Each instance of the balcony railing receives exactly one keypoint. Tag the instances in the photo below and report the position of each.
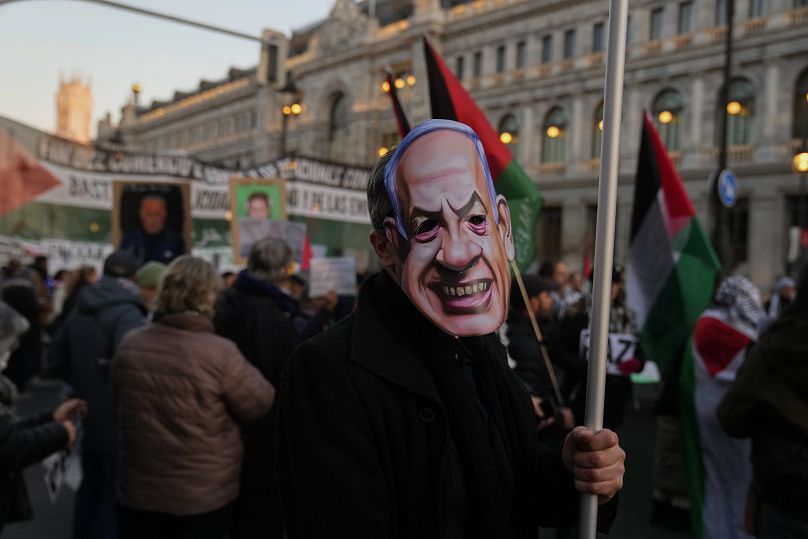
(737, 155)
(755, 26)
(717, 35)
(683, 41)
(653, 47)
(799, 16)
(543, 70)
(552, 169)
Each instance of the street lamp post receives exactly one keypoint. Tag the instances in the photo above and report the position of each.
(720, 215)
(291, 107)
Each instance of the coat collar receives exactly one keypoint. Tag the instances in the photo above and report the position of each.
(385, 331)
(188, 321)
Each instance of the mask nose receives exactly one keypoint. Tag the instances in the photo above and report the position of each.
(458, 253)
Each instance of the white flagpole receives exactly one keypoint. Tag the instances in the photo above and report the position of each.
(604, 240)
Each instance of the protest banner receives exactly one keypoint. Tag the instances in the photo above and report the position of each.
(337, 273)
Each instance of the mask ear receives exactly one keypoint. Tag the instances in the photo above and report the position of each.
(386, 246)
(504, 226)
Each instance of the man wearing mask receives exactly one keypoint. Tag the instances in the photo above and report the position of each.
(404, 420)
(80, 354)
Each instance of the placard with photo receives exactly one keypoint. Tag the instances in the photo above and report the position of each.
(152, 221)
(254, 203)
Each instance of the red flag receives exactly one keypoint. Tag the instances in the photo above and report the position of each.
(22, 178)
(398, 110)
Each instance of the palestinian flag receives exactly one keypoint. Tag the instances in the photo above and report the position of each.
(672, 266)
(671, 277)
(22, 177)
(450, 101)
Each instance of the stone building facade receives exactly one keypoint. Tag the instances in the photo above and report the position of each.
(536, 68)
(74, 109)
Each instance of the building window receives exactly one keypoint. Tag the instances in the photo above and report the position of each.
(501, 59)
(554, 137)
(721, 13)
(547, 49)
(548, 234)
(521, 53)
(741, 109)
(597, 37)
(685, 25)
(253, 119)
(597, 131)
(477, 65)
(667, 111)
(459, 67)
(657, 15)
(756, 8)
(509, 133)
(628, 30)
(569, 44)
(338, 128)
(800, 128)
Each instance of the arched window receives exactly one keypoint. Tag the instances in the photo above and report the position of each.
(597, 131)
(741, 110)
(338, 134)
(667, 111)
(800, 128)
(509, 133)
(554, 138)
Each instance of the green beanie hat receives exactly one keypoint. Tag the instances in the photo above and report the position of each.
(148, 276)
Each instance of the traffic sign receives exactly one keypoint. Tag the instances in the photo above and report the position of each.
(727, 186)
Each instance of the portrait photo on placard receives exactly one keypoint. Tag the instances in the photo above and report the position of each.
(254, 205)
(152, 221)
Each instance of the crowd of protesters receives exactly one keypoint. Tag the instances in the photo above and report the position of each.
(174, 369)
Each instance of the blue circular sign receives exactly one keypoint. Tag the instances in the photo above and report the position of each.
(727, 188)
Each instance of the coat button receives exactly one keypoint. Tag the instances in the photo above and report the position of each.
(427, 415)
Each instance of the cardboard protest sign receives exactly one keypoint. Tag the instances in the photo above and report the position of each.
(253, 203)
(152, 221)
(337, 273)
(622, 347)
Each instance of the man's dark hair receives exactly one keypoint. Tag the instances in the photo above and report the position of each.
(154, 196)
(258, 195)
(547, 268)
(379, 204)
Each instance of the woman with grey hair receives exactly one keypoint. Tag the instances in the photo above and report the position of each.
(182, 393)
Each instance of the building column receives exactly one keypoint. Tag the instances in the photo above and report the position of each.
(576, 132)
(766, 240)
(768, 115)
(526, 133)
(573, 228)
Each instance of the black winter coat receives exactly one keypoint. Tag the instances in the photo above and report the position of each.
(363, 438)
(768, 402)
(22, 444)
(83, 348)
(256, 316)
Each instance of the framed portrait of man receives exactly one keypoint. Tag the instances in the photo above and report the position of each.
(151, 220)
(254, 205)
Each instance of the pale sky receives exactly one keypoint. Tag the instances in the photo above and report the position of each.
(113, 48)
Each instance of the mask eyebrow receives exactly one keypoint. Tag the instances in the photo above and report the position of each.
(461, 212)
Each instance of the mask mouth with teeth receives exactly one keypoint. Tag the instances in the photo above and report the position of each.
(451, 230)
